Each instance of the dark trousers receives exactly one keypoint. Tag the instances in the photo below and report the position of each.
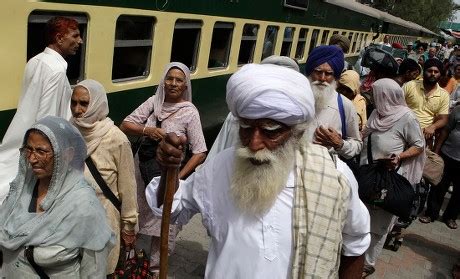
(437, 193)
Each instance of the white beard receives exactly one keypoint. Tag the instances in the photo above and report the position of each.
(254, 188)
(323, 92)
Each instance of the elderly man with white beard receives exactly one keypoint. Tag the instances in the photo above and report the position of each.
(336, 124)
(275, 206)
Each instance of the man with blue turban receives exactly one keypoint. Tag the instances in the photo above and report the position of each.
(336, 123)
(274, 205)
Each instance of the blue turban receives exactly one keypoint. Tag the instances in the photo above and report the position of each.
(331, 55)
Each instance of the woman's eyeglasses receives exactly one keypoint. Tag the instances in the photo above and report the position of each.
(39, 153)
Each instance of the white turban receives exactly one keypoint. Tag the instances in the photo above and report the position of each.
(270, 91)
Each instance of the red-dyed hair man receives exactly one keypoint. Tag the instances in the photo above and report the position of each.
(62, 35)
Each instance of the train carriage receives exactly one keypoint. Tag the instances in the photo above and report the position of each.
(128, 42)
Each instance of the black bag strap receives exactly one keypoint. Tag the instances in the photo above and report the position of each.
(29, 254)
(100, 181)
(370, 160)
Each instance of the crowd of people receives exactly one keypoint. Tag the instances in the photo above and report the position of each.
(278, 192)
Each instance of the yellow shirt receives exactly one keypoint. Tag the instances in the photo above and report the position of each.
(426, 108)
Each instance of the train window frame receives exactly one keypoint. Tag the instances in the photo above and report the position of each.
(273, 40)
(354, 43)
(286, 46)
(188, 25)
(248, 42)
(75, 63)
(313, 39)
(221, 25)
(325, 37)
(301, 44)
(350, 36)
(133, 43)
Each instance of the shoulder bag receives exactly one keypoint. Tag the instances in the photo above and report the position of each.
(434, 167)
(102, 184)
(384, 188)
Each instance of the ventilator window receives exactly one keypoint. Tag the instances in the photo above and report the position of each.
(220, 45)
(287, 41)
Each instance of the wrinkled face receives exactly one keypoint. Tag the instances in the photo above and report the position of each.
(175, 85)
(431, 75)
(69, 42)
(39, 154)
(323, 73)
(258, 134)
(431, 52)
(79, 102)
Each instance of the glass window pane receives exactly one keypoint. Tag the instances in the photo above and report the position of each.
(186, 42)
(300, 50)
(324, 37)
(220, 45)
(313, 40)
(287, 41)
(133, 47)
(269, 41)
(248, 44)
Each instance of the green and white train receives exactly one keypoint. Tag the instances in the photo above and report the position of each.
(128, 42)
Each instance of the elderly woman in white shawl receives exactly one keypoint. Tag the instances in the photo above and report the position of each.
(51, 214)
(169, 110)
(110, 151)
(396, 136)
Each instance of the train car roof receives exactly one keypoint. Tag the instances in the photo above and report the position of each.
(363, 9)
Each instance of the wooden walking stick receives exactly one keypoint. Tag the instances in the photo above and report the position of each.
(172, 180)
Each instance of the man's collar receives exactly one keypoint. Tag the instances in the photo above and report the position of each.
(57, 55)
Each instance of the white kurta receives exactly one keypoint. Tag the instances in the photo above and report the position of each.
(329, 117)
(45, 91)
(227, 137)
(249, 247)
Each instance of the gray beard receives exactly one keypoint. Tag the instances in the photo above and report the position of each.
(254, 188)
(323, 93)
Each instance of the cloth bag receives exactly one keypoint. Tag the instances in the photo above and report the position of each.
(385, 188)
(434, 167)
(131, 264)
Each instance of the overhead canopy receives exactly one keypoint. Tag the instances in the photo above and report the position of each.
(363, 9)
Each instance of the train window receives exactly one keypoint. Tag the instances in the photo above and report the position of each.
(355, 43)
(300, 50)
(350, 37)
(220, 45)
(270, 41)
(365, 40)
(133, 47)
(186, 42)
(36, 44)
(313, 40)
(324, 37)
(287, 41)
(335, 32)
(248, 44)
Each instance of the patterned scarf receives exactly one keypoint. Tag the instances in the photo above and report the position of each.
(320, 209)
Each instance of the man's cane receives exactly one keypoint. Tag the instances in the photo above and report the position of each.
(172, 180)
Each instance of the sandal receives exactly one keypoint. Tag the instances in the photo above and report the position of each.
(451, 224)
(367, 270)
(425, 219)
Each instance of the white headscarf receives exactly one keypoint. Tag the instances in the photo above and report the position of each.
(270, 91)
(94, 123)
(158, 109)
(390, 106)
(73, 217)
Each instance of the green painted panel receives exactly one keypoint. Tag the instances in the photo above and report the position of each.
(318, 13)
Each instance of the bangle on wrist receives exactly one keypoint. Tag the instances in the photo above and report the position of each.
(143, 130)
